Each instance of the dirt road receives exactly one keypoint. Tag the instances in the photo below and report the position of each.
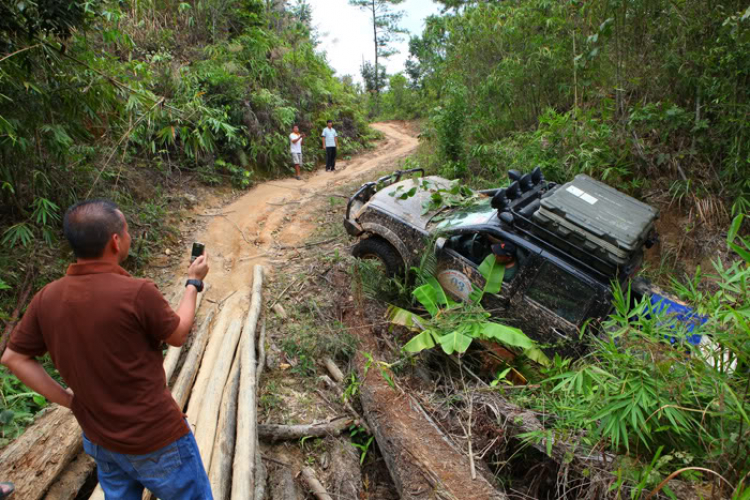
(279, 214)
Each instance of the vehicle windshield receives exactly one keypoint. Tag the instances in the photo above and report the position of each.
(478, 213)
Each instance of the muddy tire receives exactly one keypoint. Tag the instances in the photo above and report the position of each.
(382, 251)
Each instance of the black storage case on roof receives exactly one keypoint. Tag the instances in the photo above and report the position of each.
(594, 218)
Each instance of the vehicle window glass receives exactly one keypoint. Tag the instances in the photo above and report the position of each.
(473, 246)
(560, 292)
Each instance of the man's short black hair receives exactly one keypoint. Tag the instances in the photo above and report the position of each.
(88, 225)
(329, 121)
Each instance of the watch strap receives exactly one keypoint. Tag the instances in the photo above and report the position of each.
(198, 284)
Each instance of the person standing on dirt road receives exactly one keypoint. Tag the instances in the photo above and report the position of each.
(330, 142)
(295, 141)
(104, 331)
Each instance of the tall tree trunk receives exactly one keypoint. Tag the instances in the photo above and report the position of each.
(375, 38)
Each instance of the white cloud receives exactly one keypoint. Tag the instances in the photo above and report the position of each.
(346, 33)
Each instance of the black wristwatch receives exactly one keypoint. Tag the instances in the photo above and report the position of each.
(198, 284)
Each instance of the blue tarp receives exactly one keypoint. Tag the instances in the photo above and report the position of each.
(680, 312)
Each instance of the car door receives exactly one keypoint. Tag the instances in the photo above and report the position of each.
(457, 273)
(552, 305)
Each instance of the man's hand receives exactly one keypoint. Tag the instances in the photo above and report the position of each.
(199, 268)
(69, 403)
(30, 372)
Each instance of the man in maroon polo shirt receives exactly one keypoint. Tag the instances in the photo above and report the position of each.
(104, 331)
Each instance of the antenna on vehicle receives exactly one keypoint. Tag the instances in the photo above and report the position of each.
(514, 175)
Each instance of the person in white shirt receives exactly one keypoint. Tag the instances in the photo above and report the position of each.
(295, 142)
(330, 143)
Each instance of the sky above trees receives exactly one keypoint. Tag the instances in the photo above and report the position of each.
(346, 33)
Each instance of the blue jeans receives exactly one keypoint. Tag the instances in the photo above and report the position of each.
(173, 472)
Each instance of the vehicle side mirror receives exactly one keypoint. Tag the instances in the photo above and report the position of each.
(440, 244)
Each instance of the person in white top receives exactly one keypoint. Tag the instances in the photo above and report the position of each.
(295, 146)
(330, 143)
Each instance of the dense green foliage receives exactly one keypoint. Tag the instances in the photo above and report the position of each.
(102, 98)
(628, 91)
(122, 99)
(636, 392)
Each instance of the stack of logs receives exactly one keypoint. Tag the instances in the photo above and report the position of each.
(218, 383)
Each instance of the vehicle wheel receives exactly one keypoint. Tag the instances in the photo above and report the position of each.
(382, 251)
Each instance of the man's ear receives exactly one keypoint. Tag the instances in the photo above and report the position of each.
(115, 243)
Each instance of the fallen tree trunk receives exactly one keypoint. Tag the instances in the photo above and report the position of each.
(334, 370)
(173, 353)
(312, 482)
(243, 482)
(229, 311)
(69, 482)
(283, 486)
(346, 472)
(422, 462)
(205, 431)
(273, 433)
(220, 473)
(261, 476)
(184, 382)
(34, 460)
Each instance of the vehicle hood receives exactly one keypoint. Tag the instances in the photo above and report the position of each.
(398, 200)
(406, 201)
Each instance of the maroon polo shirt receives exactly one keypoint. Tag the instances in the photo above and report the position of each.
(103, 330)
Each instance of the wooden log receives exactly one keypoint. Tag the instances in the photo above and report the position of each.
(70, 481)
(261, 476)
(243, 482)
(334, 370)
(261, 355)
(181, 388)
(422, 461)
(346, 474)
(312, 482)
(273, 432)
(205, 431)
(283, 485)
(230, 311)
(36, 458)
(173, 353)
(220, 473)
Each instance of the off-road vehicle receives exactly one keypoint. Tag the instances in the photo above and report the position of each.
(572, 241)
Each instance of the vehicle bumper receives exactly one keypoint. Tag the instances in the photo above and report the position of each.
(352, 228)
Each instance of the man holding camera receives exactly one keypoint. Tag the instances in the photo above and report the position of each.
(104, 331)
(295, 145)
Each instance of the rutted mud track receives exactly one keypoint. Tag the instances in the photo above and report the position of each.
(279, 214)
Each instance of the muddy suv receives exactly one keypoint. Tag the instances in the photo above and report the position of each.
(571, 242)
